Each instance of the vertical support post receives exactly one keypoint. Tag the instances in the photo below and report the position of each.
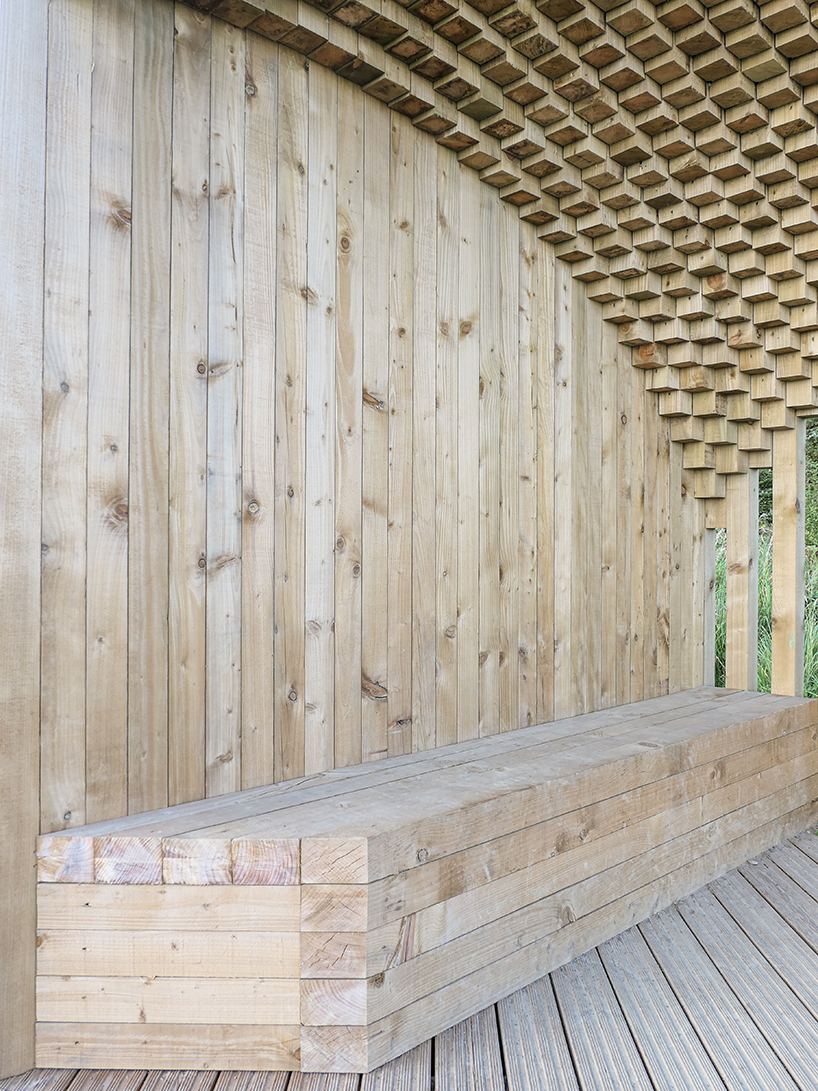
(789, 451)
(741, 659)
(708, 600)
(23, 58)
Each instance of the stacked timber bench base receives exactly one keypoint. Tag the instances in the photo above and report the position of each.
(331, 923)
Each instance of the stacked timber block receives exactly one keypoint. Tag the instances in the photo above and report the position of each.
(333, 922)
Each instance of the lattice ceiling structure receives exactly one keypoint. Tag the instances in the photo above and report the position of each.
(668, 152)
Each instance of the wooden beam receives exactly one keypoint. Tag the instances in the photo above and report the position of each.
(789, 451)
(23, 52)
(741, 662)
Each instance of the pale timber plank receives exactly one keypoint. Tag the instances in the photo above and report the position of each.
(65, 408)
(349, 366)
(185, 908)
(491, 366)
(665, 531)
(670, 1049)
(793, 959)
(589, 485)
(535, 1048)
(797, 867)
(168, 1000)
(258, 415)
(410, 1072)
(624, 526)
(600, 1039)
(23, 65)
(467, 1057)
(324, 1081)
(468, 457)
(291, 322)
(639, 555)
(106, 728)
(789, 454)
(546, 430)
(160, 953)
(187, 526)
(508, 274)
(807, 842)
(647, 574)
(399, 403)
(527, 544)
(741, 653)
(225, 329)
(609, 546)
(581, 349)
(734, 1043)
(424, 466)
(375, 440)
(785, 1022)
(563, 526)
(319, 482)
(151, 304)
(447, 309)
(171, 1046)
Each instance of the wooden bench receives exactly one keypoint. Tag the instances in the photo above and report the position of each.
(333, 922)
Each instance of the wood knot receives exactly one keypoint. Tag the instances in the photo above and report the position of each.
(465, 328)
(345, 244)
(373, 690)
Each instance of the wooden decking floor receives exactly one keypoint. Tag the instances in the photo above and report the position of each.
(720, 991)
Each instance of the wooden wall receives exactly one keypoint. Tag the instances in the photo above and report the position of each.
(336, 460)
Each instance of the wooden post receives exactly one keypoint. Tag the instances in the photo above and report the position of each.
(23, 51)
(708, 620)
(788, 559)
(741, 659)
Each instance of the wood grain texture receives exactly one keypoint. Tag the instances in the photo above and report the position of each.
(23, 55)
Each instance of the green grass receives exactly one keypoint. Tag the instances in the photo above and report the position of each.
(765, 559)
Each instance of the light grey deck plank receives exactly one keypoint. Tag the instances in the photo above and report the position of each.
(534, 1042)
(787, 897)
(780, 1016)
(324, 1081)
(599, 1037)
(161, 1080)
(673, 1054)
(109, 1080)
(411, 1072)
(737, 1048)
(794, 959)
(797, 865)
(467, 1057)
(807, 842)
(40, 1079)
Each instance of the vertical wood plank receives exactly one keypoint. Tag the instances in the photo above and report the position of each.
(741, 652)
(526, 649)
(291, 324)
(376, 426)
(319, 506)
(547, 363)
(258, 415)
(609, 546)
(399, 525)
(65, 407)
(578, 474)
(707, 598)
(150, 376)
(468, 457)
(508, 663)
(446, 453)
(564, 379)
(651, 546)
(789, 460)
(224, 399)
(624, 517)
(424, 377)
(23, 60)
(686, 641)
(187, 510)
(349, 426)
(106, 728)
(664, 531)
(591, 484)
(639, 554)
(489, 472)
